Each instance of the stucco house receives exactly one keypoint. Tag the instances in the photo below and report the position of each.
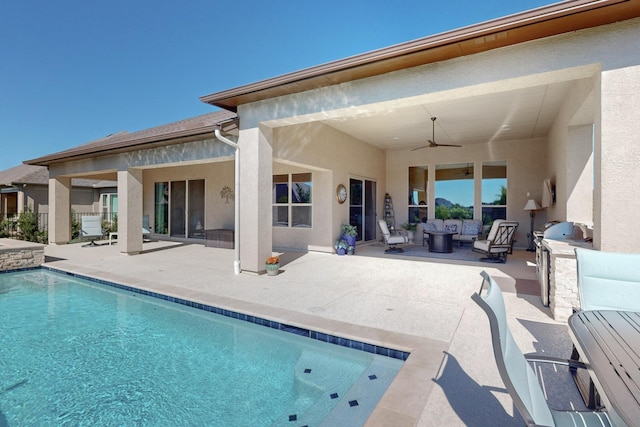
(547, 94)
(25, 187)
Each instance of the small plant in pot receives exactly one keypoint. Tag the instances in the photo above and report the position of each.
(410, 228)
(272, 265)
(349, 233)
(341, 246)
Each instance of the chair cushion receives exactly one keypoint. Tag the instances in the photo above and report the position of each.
(430, 226)
(394, 240)
(452, 228)
(471, 228)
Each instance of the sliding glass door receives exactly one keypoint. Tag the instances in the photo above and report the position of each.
(179, 208)
(362, 208)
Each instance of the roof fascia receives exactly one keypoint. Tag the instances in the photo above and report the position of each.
(530, 25)
(124, 146)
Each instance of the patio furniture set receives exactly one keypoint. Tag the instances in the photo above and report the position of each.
(439, 235)
(605, 331)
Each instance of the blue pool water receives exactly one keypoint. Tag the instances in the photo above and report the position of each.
(76, 353)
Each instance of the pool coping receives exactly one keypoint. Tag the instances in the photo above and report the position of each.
(257, 320)
(405, 399)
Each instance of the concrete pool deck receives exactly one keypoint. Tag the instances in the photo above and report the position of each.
(420, 305)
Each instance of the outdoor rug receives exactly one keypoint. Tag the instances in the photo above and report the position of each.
(459, 253)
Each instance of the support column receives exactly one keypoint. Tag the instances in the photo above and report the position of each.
(130, 211)
(59, 210)
(255, 200)
(617, 154)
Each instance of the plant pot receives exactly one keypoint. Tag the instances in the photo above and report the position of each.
(272, 269)
(341, 251)
(351, 240)
(410, 236)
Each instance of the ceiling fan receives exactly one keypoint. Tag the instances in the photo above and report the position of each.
(432, 142)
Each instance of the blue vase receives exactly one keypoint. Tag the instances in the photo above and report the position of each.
(351, 240)
(341, 251)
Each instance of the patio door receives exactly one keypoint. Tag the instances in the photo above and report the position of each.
(179, 208)
(362, 208)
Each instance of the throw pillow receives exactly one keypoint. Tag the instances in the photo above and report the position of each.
(451, 228)
(430, 226)
(470, 228)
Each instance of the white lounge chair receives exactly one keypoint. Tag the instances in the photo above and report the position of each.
(91, 229)
(391, 241)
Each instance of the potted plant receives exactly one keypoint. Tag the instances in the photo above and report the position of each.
(272, 265)
(341, 246)
(349, 233)
(410, 228)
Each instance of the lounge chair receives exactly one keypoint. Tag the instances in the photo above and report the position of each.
(499, 242)
(392, 242)
(517, 374)
(91, 229)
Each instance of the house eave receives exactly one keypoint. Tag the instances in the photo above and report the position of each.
(126, 146)
(555, 19)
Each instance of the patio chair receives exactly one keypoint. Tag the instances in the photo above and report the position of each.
(91, 229)
(608, 280)
(518, 375)
(499, 242)
(146, 230)
(392, 242)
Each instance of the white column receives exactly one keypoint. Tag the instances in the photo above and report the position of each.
(255, 200)
(59, 210)
(130, 211)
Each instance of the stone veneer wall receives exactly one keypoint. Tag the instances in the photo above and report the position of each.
(16, 254)
(563, 283)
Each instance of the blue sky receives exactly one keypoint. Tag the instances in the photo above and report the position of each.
(72, 71)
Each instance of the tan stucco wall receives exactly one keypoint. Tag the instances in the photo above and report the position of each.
(333, 157)
(218, 213)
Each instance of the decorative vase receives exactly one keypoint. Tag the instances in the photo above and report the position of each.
(410, 236)
(351, 240)
(341, 251)
(272, 269)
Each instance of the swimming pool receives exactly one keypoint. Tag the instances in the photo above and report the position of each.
(74, 352)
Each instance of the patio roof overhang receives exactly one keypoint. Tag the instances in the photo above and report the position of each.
(558, 18)
(193, 129)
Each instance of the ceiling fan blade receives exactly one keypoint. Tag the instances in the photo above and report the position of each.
(446, 145)
(419, 148)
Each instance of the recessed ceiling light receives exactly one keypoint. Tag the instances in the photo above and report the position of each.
(395, 138)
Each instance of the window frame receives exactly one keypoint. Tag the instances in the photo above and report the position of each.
(292, 201)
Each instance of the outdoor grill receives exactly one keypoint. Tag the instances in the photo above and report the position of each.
(554, 230)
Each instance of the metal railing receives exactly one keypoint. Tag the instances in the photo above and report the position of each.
(35, 226)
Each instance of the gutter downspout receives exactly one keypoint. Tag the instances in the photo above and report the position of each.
(236, 234)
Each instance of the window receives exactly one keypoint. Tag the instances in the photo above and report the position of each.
(418, 180)
(292, 200)
(109, 208)
(494, 191)
(454, 191)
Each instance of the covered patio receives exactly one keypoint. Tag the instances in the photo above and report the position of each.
(414, 304)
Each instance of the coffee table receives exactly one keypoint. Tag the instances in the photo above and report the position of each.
(441, 241)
